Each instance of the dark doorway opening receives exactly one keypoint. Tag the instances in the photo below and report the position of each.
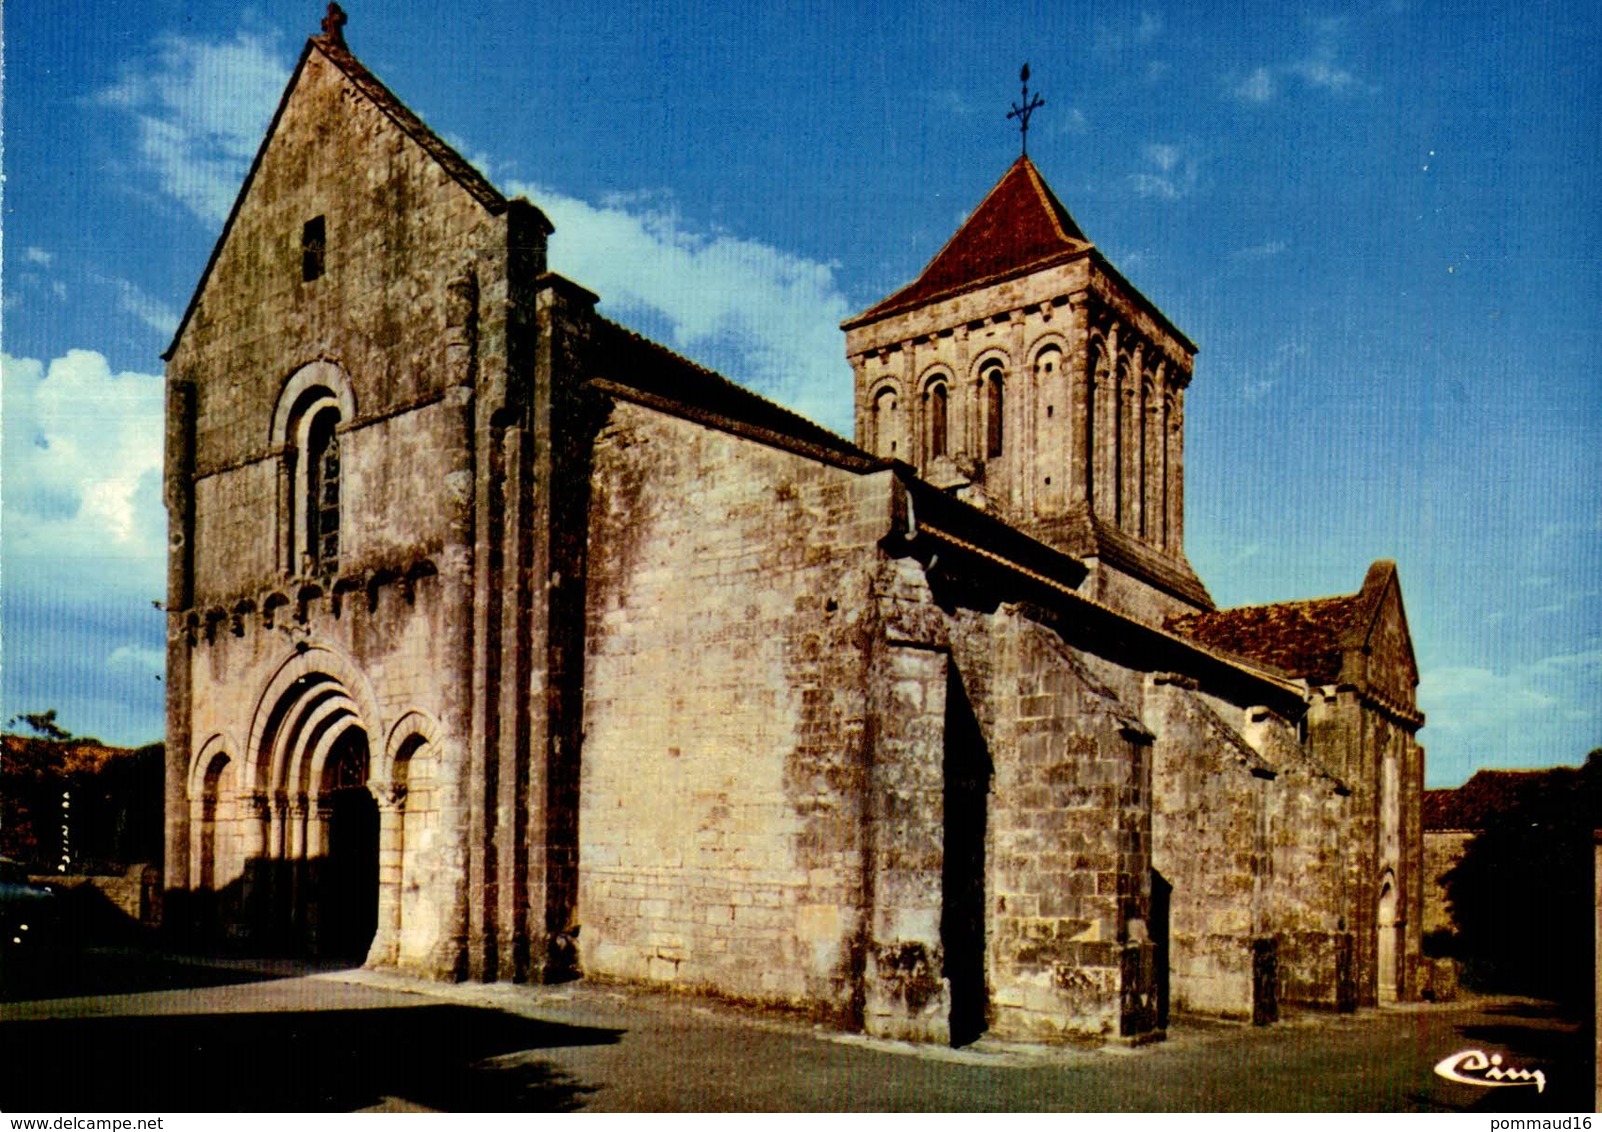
(349, 890)
(1161, 900)
(350, 887)
(967, 768)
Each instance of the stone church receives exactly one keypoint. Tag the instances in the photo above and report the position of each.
(505, 644)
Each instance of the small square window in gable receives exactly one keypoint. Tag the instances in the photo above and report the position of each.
(313, 248)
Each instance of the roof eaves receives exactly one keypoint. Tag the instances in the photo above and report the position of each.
(724, 404)
(239, 199)
(736, 426)
(1151, 308)
(908, 298)
(465, 175)
(460, 169)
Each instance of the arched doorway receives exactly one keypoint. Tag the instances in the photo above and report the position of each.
(1386, 958)
(348, 893)
(311, 843)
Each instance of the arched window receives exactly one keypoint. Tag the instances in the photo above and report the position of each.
(322, 490)
(1121, 447)
(315, 407)
(886, 428)
(936, 413)
(211, 791)
(1093, 442)
(312, 479)
(990, 381)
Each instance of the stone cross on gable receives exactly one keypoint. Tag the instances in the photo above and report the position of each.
(334, 24)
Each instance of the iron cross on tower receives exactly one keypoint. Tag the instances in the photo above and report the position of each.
(1029, 107)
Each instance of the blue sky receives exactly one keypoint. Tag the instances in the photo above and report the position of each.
(1381, 222)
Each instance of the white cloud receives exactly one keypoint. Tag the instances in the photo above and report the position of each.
(1473, 699)
(37, 255)
(1176, 172)
(200, 109)
(147, 308)
(1253, 387)
(1165, 157)
(1320, 68)
(1529, 715)
(762, 316)
(1266, 250)
(82, 467)
(1254, 390)
(137, 658)
(1256, 87)
(1115, 38)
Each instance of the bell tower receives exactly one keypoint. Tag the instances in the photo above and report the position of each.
(1023, 372)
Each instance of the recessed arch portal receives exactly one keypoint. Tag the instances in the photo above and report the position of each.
(304, 807)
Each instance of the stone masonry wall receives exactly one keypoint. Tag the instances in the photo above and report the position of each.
(907, 981)
(725, 707)
(1442, 851)
(398, 228)
(1305, 882)
(1069, 843)
(1208, 835)
(381, 651)
(394, 613)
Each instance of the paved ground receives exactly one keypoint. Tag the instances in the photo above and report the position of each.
(131, 1031)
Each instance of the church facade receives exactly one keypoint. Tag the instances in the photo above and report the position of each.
(505, 644)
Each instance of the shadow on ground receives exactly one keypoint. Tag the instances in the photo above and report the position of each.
(1538, 1035)
(80, 972)
(450, 1058)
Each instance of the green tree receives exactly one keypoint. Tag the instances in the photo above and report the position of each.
(1522, 895)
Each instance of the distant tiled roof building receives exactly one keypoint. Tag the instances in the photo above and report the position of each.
(1489, 794)
(1452, 817)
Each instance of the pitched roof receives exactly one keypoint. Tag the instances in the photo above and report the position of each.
(1306, 639)
(476, 184)
(1302, 638)
(1019, 227)
(636, 368)
(333, 48)
(1491, 793)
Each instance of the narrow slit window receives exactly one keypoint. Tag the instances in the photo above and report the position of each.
(322, 495)
(994, 395)
(313, 248)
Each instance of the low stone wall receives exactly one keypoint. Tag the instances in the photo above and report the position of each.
(1442, 850)
(101, 905)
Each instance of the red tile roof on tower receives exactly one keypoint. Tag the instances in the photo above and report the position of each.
(1019, 227)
